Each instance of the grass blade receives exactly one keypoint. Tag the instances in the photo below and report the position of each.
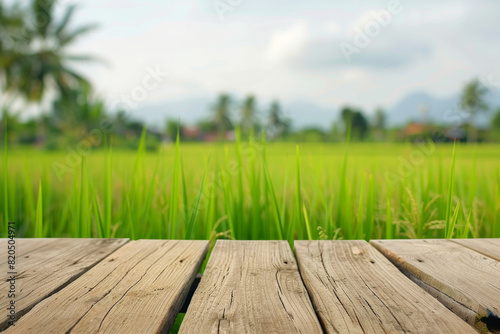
(39, 214)
(308, 225)
(194, 211)
(448, 226)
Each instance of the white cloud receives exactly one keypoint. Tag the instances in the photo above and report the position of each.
(298, 48)
(284, 44)
(289, 50)
(332, 28)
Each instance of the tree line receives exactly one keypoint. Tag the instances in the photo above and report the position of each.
(226, 114)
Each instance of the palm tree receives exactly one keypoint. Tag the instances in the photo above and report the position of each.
(495, 122)
(248, 117)
(275, 115)
(474, 103)
(11, 23)
(380, 122)
(221, 114)
(78, 109)
(38, 58)
(356, 120)
(278, 125)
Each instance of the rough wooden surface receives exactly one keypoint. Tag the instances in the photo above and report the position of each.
(26, 245)
(488, 247)
(44, 266)
(461, 278)
(96, 285)
(251, 287)
(137, 289)
(355, 289)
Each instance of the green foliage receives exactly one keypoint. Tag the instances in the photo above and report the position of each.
(35, 60)
(222, 114)
(356, 120)
(278, 124)
(380, 124)
(473, 97)
(496, 122)
(172, 128)
(34, 50)
(310, 134)
(473, 101)
(249, 122)
(451, 220)
(39, 232)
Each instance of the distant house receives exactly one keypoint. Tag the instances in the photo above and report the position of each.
(417, 131)
(214, 136)
(413, 132)
(413, 129)
(457, 134)
(191, 133)
(210, 136)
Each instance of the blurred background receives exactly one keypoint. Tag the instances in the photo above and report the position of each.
(250, 119)
(207, 119)
(396, 70)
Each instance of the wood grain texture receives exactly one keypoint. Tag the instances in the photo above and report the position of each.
(137, 289)
(44, 266)
(462, 279)
(355, 289)
(488, 247)
(26, 245)
(251, 287)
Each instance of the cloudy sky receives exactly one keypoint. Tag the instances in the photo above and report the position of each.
(366, 53)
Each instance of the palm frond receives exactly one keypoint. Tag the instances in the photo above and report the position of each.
(65, 20)
(69, 38)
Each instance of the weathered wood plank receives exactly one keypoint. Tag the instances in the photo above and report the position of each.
(488, 247)
(137, 289)
(26, 245)
(355, 289)
(465, 281)
(44, 266)
(251, 287)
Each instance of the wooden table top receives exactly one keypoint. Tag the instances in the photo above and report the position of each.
(327, 286)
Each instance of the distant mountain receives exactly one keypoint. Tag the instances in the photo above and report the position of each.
(411, 108)
(189, 111)
(308, 114)
(439, 110)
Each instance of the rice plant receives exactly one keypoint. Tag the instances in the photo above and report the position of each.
(254, 190)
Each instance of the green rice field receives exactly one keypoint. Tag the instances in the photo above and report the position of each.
(254, 190)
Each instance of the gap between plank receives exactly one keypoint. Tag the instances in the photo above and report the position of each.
(21, 313)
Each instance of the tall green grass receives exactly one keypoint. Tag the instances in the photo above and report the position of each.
(255, 190)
